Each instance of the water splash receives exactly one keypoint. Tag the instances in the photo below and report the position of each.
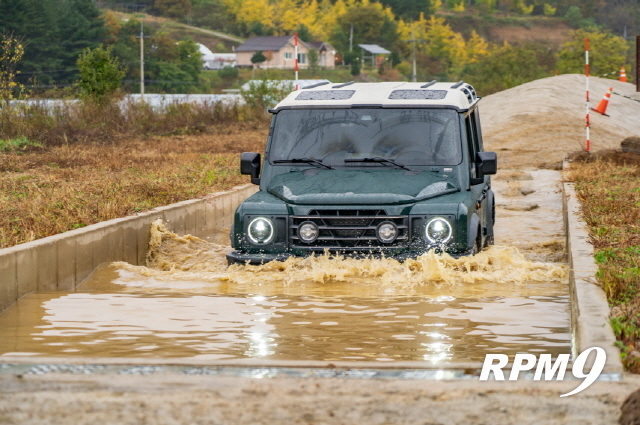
(191, 258)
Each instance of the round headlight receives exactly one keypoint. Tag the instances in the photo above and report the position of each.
(387, 232)
(438, 230)
(260, 231)
(308, 232)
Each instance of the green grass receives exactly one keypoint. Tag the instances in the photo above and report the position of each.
(608, 190)
(18, 144)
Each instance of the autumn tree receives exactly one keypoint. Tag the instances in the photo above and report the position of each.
(11, 52)
(607, 52)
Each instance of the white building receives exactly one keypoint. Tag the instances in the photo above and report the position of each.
(212, 60)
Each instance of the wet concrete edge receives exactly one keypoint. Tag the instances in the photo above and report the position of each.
(61, 262)
(589, 307)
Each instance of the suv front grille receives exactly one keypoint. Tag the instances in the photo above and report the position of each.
(348, 230)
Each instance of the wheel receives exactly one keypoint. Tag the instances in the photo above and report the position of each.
(477, 246)
(489, 241)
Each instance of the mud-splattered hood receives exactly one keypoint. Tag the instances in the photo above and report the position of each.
(372, 187)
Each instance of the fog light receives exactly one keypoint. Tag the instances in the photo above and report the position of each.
(308, 232)
(387, 232)
(260, 230)
(438, 230)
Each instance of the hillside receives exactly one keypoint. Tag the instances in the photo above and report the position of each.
(553, 30)
(542, 121)
(216, 41)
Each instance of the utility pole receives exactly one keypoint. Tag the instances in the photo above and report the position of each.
(351, 39)
(638, 63)
(142, 37)
(414, 76)
(141, 61)
(414, 73)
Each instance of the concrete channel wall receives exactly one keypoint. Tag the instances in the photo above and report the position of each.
(61, 262)
(589, 307)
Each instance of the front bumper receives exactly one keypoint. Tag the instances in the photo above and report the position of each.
(238, 257)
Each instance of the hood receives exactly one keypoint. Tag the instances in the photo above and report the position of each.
(364, 187)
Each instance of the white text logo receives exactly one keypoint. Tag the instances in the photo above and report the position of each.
(545, 366)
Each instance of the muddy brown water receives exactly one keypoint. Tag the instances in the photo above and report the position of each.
(187, 304)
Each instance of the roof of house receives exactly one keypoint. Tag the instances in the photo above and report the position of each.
(265, 43)
(319, 45)
(375, 49)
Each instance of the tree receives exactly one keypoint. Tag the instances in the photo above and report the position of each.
(607, 52)
(372, 24)
(11, 52)
(508, 66)
(313, 58)
(409, 9)
(173, 8)
(258, 58)
(54, 33)
(100, 74)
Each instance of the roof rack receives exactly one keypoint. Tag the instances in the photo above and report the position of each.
(458, 84)
(339, 86)
(316, 85)
(429, 84)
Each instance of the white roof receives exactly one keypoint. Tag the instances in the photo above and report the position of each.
(283, 83)
(460, 96)
(206, 53)
(375, 49)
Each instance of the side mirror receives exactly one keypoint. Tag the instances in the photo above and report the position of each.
(250, 164)
(486, 163)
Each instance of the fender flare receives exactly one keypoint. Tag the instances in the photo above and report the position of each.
(472, 231)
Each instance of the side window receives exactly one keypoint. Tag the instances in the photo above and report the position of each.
(475, 116)
(472, 140)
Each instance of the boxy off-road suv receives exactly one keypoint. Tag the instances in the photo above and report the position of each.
(393, 169)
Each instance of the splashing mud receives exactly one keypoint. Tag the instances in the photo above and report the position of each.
(189, 258)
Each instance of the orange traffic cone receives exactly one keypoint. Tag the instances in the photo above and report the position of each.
(623, 75)
(602, 106)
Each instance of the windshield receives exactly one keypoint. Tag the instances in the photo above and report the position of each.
(406, 136)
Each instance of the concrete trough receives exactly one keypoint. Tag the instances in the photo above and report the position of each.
(73, 255)
(61, 262)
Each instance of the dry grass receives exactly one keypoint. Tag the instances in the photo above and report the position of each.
(71, 122)
(49, 190)
(608, 184)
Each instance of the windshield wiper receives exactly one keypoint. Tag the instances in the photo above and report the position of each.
(379, 160)
(303, 161)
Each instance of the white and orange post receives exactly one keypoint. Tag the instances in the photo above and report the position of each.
(586, 69)
(623, 75)
(295, 60)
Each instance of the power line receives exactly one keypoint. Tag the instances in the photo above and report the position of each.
(64, 70)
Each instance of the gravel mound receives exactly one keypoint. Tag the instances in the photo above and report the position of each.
(539, 123)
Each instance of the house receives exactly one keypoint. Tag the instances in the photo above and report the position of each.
(326, 54)
(280, 51)
(212, 60)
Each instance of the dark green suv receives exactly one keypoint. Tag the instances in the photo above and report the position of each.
(361, 169)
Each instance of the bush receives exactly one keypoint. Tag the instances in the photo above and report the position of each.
(264, 94)
(100, 74)
(228, 73)
(355, 69)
